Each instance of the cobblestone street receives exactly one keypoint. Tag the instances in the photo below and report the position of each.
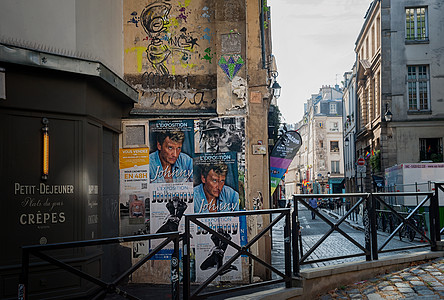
(419, 281)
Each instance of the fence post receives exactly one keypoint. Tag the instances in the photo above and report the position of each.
(366, 223)
(295, 235)
(186, 260)
(287, 249)
(373, 228)
(23, 284)
(435, 234)
(175, 270)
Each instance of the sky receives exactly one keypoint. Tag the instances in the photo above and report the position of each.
(313, 43)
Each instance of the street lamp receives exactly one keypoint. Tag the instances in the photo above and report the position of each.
(388, 114)
(276, 89)
(346, 141)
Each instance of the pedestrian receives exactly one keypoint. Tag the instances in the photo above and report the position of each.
(313, 202)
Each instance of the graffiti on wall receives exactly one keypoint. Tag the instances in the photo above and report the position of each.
(169, 44)
(231, 64)
(169, 40)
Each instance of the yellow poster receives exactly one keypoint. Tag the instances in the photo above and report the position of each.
(133, 157)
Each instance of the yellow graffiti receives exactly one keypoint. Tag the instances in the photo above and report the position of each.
(173, 22)
(187, 2)
(139, 53)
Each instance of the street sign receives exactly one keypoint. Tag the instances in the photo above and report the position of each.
(361, 169)
(328, 186)
(362, 175)
(361, 161)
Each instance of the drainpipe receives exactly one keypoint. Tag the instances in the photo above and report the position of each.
(261, 17)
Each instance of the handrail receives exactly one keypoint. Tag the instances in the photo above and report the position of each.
(105, 287)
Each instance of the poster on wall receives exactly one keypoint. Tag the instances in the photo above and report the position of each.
(170, 176)
(134, 178)
(216, 190)
(223, 135)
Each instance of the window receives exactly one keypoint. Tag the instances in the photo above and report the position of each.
(321, 144)
(333, 108)
(416, 24)
(335, 166)
(418, 87)
(430, 149)
(334, 146)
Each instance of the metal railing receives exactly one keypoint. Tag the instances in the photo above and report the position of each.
(365, 249)
(403, 220)
(104, 287)
(241, 250)
(368, 201)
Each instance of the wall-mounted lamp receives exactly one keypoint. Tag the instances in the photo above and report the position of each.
(272, 69)
(346, 141)
(45, 130)
(276, 89)
(388, 114)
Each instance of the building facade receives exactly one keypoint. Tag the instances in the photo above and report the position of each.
(119, 76)
(319, 164)
(399, 67)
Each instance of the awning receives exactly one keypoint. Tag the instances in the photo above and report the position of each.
(336, 180)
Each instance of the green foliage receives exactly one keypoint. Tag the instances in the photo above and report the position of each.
(375, 161)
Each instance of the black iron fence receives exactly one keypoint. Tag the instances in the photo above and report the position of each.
(103, 287)
(286, 276)
(372, 208)
(405, 224)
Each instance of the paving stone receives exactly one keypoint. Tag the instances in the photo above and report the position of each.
(436, 284)
(410, 296)
(421, 289)
(387, 288)
(369, 290)
(410, 278)
(374, 296)
(425, 292)
(438, 288)
(326, 297)
(402, 285)
(417, 282)
(406, 290)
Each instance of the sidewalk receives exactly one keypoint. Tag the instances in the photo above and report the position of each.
(424, 280)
